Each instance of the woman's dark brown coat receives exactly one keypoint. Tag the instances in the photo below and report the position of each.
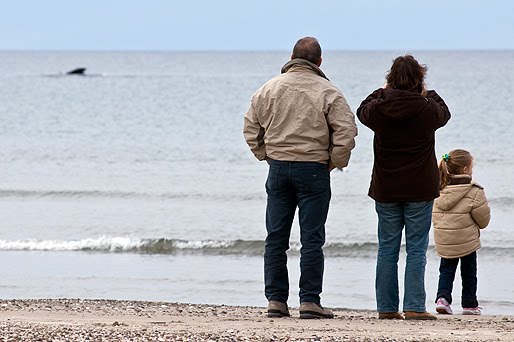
(404, 122)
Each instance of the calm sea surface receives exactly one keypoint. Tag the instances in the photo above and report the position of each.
(134, 182)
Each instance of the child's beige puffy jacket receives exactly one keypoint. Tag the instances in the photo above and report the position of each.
(458, 215)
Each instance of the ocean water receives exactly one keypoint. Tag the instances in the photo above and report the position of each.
(135, 182)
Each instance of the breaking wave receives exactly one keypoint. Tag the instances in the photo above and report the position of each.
(105, 244)
(173, 246)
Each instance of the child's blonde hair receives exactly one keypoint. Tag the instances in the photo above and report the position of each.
(453, 163)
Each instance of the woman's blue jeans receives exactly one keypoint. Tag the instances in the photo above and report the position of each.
(305, 185)
(416, 217)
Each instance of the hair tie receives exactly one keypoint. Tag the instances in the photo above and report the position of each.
(446, 157)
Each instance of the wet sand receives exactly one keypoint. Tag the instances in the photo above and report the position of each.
(109, 320)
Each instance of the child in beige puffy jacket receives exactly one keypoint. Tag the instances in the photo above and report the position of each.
(458, 215)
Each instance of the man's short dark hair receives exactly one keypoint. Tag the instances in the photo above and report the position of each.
(307, 48)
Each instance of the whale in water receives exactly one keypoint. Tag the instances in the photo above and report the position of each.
(77, 71)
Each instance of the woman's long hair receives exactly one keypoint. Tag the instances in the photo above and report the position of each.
(407, 74)
(453, 163)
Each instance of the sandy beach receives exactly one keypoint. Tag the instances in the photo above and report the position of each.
(109, 320)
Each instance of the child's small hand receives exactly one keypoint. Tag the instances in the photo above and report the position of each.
(331, 166)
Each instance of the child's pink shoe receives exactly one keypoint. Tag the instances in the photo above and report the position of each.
(443, 307)
(472, 311)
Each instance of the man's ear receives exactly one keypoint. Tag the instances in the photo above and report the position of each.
(319, 63)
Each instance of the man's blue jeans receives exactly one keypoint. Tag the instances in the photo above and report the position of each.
(305, 185)
(416, 217)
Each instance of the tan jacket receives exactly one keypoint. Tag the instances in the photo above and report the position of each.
(458, 215)
(300, 116)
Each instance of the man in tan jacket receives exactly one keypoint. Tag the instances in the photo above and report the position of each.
(302, 125)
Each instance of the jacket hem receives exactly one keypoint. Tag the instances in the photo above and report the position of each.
(403, 200)
(458, 255)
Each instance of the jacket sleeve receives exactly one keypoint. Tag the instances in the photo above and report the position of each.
(439, 107)
(367, 107)
(254, 133)
(480, 211)
(343, 130)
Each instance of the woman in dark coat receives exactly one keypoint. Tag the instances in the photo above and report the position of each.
(405, 181)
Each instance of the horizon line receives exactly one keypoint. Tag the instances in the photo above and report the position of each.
(262, 50)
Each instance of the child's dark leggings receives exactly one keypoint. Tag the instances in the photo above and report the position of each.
(468, 272)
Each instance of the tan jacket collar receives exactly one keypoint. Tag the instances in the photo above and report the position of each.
(300, 62)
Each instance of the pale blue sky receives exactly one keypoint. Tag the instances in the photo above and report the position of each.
(255, 25)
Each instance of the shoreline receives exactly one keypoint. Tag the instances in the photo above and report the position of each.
(109, 320)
